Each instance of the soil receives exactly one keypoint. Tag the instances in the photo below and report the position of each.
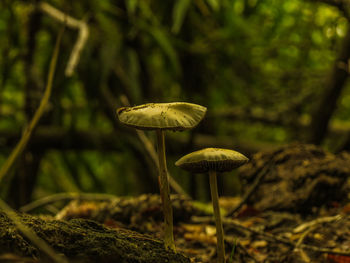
(298, 211)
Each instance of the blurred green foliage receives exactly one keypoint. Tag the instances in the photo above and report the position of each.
(261, 55)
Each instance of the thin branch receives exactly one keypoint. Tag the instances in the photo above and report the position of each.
(17, 151)
(317, 221)
(252, 189)
(59, 138)
(153, 154)
(65, 197)
(275, 118)
(74, 24)
(302, 237)
(275, 238)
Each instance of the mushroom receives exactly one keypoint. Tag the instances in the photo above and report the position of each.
(176, 116)
(213, 160)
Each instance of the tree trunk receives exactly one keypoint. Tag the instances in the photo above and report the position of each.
(22, 184)
(334, 87)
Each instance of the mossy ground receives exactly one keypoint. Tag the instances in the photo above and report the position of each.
(85, 241)
(313, 221)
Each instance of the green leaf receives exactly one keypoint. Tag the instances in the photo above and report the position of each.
(131, 6)
(214, 4)
(233, 251)
(133, 70)
(165, 44)
(179, 12)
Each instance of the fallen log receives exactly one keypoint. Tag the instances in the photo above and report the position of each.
(83, 240)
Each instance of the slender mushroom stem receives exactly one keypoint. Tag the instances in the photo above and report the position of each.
(218, 223)
(164, 193)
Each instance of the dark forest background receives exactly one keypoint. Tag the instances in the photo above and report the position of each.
(270, 72)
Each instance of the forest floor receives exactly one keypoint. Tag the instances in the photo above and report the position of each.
(296, 209)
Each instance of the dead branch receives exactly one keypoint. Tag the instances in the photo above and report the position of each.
(275, 118)
(317, 221)
(65, 197)
(252, 189)
(153, 154)
(275, 238)
(55, 137)
(71, 23)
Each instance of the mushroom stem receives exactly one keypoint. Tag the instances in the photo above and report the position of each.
(164, 193)
(219, 230)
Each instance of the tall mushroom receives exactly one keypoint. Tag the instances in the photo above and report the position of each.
(213, 160)
(176, 116)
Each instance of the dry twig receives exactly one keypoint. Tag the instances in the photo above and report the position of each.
(252, 189)
(312, 223)
(153, 154)
(17, 151)
(258, 179)
(272, 237)
(64, 197)
(71, 23)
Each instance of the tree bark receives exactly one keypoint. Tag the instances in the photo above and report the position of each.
(334, 86)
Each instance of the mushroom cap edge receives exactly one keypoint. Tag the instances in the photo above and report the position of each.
(176, 116)
(215, 159)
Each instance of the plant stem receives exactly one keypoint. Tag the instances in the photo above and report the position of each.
(27, 133)
(164, 193)
(219, 230)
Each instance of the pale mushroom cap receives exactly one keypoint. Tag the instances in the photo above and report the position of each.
(214, 159)
(171, 116)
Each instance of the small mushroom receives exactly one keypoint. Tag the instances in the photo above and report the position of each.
(176, 116)
(213, 160)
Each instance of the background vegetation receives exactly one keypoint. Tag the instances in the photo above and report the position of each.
(270, 72)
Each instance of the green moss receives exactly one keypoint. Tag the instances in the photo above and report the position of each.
(85, 240)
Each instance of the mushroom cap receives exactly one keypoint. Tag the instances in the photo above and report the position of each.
(175, 116)
(211, 159)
